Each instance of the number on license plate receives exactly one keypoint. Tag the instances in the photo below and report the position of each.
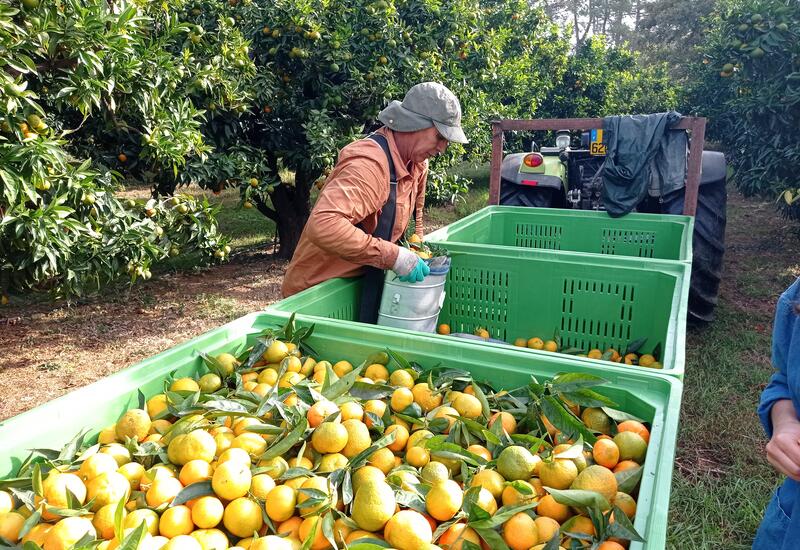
(596, 145)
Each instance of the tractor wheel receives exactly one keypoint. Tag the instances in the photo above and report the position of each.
(709, 247)
(517, 195)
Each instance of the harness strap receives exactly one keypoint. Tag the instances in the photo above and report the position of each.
(372, 281)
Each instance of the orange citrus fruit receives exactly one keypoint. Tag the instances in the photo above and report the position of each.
(646, 360)
(606, 453)
(558, 473)
(634, 426)
(632, 446)
(520, 532)
(536, 343)
(550, 345)
(623, 465)
(456, 534)
(596, 420)
(599, 479)
(506, 419)
(548, 507)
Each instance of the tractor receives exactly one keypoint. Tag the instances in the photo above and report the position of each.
(568, 174)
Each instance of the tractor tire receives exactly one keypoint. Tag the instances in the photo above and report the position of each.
(517, 195)
(708, 243)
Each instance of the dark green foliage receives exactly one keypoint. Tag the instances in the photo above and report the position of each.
(748, 84)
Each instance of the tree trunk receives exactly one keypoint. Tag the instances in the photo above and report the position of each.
(290, 211)
(576, 26)
(290, 226)
(617, 34)
(589, 24)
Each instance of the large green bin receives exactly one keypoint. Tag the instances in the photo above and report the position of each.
(589, 301)
(658, 236)
(653, 398)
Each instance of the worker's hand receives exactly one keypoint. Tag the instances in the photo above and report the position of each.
(420, 271)
(783, 450)
(409, 266)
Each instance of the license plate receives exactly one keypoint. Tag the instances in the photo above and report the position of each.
(596, 146)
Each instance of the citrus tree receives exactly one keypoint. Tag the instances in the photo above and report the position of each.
(324, 69)
(94, 92)
(253, 94)
(601, 80)
(748, 83)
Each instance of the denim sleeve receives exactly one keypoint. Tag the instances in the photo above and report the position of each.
(785, 341)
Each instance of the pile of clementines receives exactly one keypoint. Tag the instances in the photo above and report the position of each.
(277, 450)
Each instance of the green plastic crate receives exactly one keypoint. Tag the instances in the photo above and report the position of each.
(659, 236)
(593, 302)
(653, 398)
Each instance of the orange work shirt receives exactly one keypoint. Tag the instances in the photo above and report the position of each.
(333, 243)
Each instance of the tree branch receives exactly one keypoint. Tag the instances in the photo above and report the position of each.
(577, 26)
(265, 210)
(589, 23)
(272, 161)
(120, 125)
(638, 15)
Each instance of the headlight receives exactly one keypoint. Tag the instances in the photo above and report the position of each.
(562, 140)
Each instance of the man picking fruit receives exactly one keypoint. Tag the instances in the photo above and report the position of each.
(367, 200)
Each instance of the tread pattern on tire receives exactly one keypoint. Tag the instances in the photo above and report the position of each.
(708, 243)
(514, 195)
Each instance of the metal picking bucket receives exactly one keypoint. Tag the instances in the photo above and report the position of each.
(414, 306)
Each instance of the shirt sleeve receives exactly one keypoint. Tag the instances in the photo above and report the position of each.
(355, 192)
(785, 335)
(419, 227)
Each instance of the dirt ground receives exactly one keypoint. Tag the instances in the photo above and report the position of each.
(49, 349)
(762, 257)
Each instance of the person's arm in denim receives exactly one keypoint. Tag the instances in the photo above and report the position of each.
(776, 409)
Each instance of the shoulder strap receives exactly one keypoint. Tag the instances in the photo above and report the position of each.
(372, 281)
(384, 144)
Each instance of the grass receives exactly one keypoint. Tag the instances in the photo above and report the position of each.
(475, 199)
(247, 228)
(214, 306)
